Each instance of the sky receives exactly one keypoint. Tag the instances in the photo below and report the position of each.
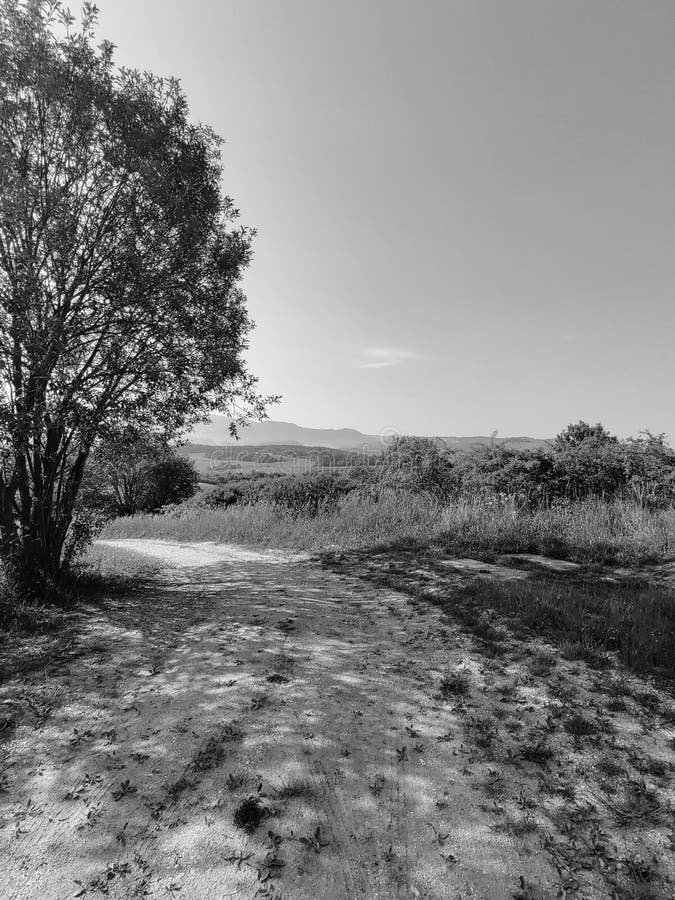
(465, 208)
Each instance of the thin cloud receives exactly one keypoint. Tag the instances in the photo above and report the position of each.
(384, 357)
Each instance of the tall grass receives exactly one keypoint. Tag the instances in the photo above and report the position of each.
(354, 523)
(594, 530)
(618, 531)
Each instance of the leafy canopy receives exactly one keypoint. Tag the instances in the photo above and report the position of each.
(120, 266)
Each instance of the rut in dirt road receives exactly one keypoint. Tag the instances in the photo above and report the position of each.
(260, 678)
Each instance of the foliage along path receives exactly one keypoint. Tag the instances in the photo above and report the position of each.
(253, 724)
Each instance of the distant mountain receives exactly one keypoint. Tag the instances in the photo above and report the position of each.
(216, 434)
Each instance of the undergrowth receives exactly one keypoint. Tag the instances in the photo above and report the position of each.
(593, 531)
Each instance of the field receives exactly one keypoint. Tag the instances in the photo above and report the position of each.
(217, 462)
(330, 685)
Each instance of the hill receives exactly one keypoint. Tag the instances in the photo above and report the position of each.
(216, 434)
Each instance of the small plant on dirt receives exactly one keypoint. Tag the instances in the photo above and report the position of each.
(507, 691)
(616, 704)
(94, 814)
(526, 801)
(249, 814)
(517, 827)
(101, 882)
(184, 783)
(609, 768)
(648, 700)
(454, 684)
(494, 783)
(389, 856)
(234, 782)
(639, 870)
(239, 859)
(482, 731)
(83, 787)
(376, 785)
(315, 842)
(125, 789)
(440, 837)
(213, 751)
(401, 754)
(537, 751)
(140, 758)
(650, 765)
(78, 737)
(640, 804)
(529, 891)
(579, 725)
(543, 663)
(295, 787)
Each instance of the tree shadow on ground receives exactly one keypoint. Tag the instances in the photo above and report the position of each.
(390, 753)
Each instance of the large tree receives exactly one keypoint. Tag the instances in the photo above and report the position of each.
(120, 264)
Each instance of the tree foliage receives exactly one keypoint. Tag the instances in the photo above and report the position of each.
(120, 264)
(131, 474)
(583, 461)
(577, 434)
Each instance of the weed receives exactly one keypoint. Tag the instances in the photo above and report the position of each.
(454, 684)
(494, 783)
(529, 891)
(83, 787)
(610, 769)
(376, 785)
(440, 837)
(543, 663)
(517, 827)
(315, 842)
(649, 700)
(213, 750)
(249, 814)
(616, 704)
(234, 782)
(538, 752)
(126, 789)
(295, 787)
(579, 725)
(640, 804)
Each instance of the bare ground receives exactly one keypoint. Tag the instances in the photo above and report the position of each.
(255, 724)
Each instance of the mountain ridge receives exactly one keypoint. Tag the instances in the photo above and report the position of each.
(216, 433)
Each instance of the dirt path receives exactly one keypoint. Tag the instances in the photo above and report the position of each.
(262, 677)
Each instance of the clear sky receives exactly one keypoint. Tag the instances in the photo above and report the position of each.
(465, 209)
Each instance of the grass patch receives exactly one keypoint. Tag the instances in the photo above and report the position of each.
(591, 531)
(454, 684)
(590, 620)
(249, 814)
(116, 568)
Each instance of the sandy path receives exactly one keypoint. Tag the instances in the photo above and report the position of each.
(245, 674)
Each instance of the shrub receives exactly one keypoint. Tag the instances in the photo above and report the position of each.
(131, 474)
(415, 464)
(308, 494)
(170, 479)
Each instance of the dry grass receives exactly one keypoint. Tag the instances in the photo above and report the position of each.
(591, 531)
(356, 523)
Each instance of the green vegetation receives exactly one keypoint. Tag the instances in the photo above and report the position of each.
(592, 531)
(588, 498)
(120, 268)
(131, 474)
